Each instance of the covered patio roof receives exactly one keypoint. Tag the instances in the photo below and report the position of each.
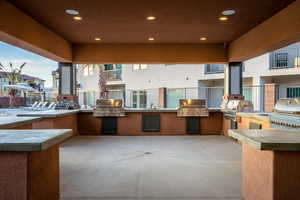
(43, 27)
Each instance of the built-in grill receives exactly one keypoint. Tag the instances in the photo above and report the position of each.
(232, 104)
(286, 114)
(109, 108)
(66, 105)
(192, 108)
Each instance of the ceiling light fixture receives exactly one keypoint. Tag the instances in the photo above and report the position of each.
(72, 12)
(224, 18)
(77, 18)
(97, 39)
(151, 39)
(151, 18)
(228, 12)
(203, 38)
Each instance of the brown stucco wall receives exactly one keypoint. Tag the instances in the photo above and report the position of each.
(20, 30)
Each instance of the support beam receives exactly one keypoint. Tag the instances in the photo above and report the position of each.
(280, 30)
(149, 53)
(67, 79)
(18, 29)
(233, 80)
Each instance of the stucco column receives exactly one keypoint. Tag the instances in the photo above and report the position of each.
(258, 93)
(271, 95)
(162, 97)
(233, 78)
(67, 81)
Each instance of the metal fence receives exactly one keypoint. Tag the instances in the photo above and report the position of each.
(285, 58)
(150, 98)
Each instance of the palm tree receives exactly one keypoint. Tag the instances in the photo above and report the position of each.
(14, 76)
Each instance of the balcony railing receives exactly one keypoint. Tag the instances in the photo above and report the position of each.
(113, 75)
(285, 58)
(214, 68)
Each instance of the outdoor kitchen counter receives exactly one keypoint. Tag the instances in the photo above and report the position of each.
(9, 122)
(48, 113)
(29, 166)
(270, 163)
(254, 120)
(254, 115)
(130, 110)
(54, 119)
(132, 123)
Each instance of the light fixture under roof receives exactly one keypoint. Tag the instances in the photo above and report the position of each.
(151, 18)
(77, 18)
(223, 18)
(97, 39)
(151, 39)
(72, 12)
(203, 38)
(228, 12)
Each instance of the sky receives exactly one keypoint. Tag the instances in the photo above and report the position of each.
(36, 65)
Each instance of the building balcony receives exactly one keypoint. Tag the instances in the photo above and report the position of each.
(113, 75)
(285, 58)
(214, 68)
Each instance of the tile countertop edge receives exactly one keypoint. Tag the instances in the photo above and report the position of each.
(63, 134)
(56, 140)
(243, 138)
(20, 122)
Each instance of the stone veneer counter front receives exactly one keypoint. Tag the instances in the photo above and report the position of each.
(270, 163)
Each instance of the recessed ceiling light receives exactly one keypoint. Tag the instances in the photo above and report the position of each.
(97, 39)
(224, 18)
(72, 12)
(203, 38)
(150, 18)
(77, 18)
(228, 12)
(151, 39)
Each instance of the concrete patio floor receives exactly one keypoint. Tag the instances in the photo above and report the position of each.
(150, 168)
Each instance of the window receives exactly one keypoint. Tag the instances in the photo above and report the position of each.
(140, 66)
(108, 67)
(293, 92)
(139, 99)
(281, 60)
(88, 70)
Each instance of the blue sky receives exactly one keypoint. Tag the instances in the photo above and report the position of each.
(36, 65)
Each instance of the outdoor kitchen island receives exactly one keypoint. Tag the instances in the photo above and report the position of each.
(270, 163)
(163, 121)
(29, 167)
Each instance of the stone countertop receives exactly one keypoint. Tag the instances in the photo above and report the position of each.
(272, 140)
(48, 113)
(32, 140)
(253, 115)
(129, 110)
(12, 121)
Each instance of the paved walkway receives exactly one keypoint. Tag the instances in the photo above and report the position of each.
(150, 168)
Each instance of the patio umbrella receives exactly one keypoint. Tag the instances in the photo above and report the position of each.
(22, 87)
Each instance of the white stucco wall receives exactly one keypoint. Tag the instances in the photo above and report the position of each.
(160, 75)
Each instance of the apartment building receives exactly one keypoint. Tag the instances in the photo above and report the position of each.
(140, 85)
(266, 78)
(146, 85)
